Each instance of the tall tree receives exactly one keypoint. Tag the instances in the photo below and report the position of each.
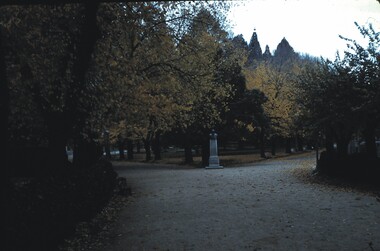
(328, 95)
(204, 56)
(58, 93)
(342, 97)
(364, 68)
(278, 87)
(4, 116)
(156, 59)
(240, 50)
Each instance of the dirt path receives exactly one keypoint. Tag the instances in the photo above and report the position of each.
(258, 207)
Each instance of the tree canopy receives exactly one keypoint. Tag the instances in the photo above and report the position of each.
(342, 97)
(147, 70)
(138, 68)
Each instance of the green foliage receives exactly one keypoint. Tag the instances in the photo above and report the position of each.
(341, 98)
(35, 38)
(54, 96)
(364, 68)
(328, 97)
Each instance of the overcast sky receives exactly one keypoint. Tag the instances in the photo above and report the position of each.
(310, 26)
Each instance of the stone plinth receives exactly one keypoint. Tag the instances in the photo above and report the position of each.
(213, 161)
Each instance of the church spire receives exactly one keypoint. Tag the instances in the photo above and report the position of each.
(284, 52)
(267, 55)
(254, 49)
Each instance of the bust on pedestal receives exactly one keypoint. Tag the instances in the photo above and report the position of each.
(213, 161)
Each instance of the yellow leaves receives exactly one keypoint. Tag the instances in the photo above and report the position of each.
(116, 130)
(113, 63)
(156, 99)
(279, 89)
(250, 127)
(169, 83)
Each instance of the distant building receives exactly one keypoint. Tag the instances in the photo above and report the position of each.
(254, 49)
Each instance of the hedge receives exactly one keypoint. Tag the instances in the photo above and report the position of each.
(41, 212)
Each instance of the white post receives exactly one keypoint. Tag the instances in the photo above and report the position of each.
(213, 161)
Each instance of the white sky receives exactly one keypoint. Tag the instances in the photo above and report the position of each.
(310, 26)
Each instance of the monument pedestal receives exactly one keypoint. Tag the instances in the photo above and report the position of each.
(213, 161)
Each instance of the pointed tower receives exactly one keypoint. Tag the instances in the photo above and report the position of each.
(267, 55)
(284, 52)
(254, 49)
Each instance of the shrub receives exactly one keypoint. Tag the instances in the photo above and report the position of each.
(360, 167)
(41, 212)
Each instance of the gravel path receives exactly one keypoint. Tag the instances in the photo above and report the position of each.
(257, 207)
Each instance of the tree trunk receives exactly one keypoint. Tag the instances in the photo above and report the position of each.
(86, 153)
(121, 144)
(299, 143)
(4, 104)
(148, 154)
(273, 148)
(83, 50)
(90, 34)
(299, 146)
(57, 139)
(57, 152)
(262, 143)
(6, 194)
(240, 144)
(157, 147)
(138, 146)
(188, 147)
(329, 141)
(188, 154)
(343, 136)
(4, 118)
(288, 145)
(205, 152)
(370, 139)
(107, 147)
(342, 147)
(130, 149)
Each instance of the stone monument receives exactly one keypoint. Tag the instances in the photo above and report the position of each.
(213, 161)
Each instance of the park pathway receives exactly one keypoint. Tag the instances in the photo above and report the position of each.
(257, 207)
